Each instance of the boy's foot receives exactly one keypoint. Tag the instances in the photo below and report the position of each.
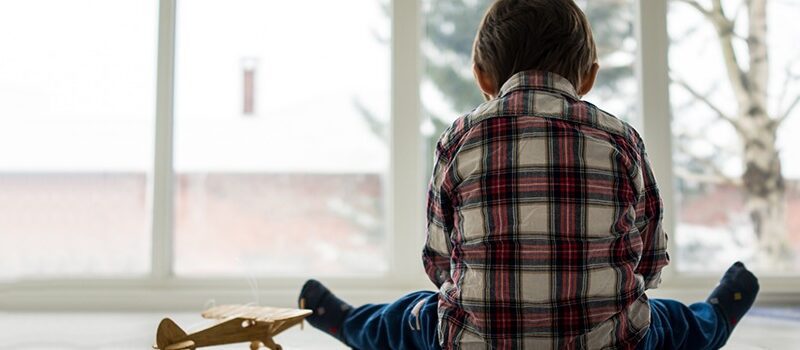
(329, 311)
(735, 293)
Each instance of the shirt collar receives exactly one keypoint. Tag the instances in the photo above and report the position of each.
(538, 80)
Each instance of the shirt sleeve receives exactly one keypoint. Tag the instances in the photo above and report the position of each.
(649, 221)
(436, 254)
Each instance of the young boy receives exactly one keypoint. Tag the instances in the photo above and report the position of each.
(544, 218)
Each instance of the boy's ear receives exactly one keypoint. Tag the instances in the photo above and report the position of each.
(587, 80)
(485, 82)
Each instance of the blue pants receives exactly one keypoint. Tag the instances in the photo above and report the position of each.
(411, 323)
(408, 323)
(674, 325)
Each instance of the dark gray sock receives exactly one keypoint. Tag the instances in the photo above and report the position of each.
(329, 311)
(735, 293)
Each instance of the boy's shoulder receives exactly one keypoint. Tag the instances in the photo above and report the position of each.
(543, 104)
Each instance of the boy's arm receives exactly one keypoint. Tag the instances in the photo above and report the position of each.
(436, 254)
(649, 220)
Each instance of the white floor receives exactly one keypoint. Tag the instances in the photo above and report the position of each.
(27, 331)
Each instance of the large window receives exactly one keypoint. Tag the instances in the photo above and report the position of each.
(736, 83)
(77, 97)
(277, 168)
(191, 146)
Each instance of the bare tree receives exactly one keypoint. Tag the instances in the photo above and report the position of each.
(748, 75)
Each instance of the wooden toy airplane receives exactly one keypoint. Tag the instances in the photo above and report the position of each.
(239, 323)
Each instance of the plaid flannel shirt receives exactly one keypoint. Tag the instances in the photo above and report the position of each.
(544, 224)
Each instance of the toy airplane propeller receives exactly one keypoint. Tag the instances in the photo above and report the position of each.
(239, 323)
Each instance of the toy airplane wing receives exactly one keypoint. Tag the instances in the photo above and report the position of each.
(281, 318)
(257, 313)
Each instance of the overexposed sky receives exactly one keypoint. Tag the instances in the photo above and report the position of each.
(77, 85)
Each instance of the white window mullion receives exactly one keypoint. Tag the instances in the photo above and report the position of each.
(406, 181)
(162, 220)
(653, 79)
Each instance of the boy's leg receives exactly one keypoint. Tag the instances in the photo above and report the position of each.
(705, 325)
(408, 323)
(674, 325)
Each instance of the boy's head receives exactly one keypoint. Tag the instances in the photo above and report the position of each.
(545, 35)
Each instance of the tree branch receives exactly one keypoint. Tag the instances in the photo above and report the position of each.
(704, 99)
(788, 110)
(743, 4)
(739, 36)
(787, 82)
(725, 33)
(697, 6)
(711, 173)
(686, 174)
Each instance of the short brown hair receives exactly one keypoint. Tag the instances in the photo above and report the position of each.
(545, 35)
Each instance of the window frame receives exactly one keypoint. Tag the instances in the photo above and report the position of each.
(162, 290)
(652, 74)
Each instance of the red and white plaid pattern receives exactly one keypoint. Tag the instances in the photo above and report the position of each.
(544, 224)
